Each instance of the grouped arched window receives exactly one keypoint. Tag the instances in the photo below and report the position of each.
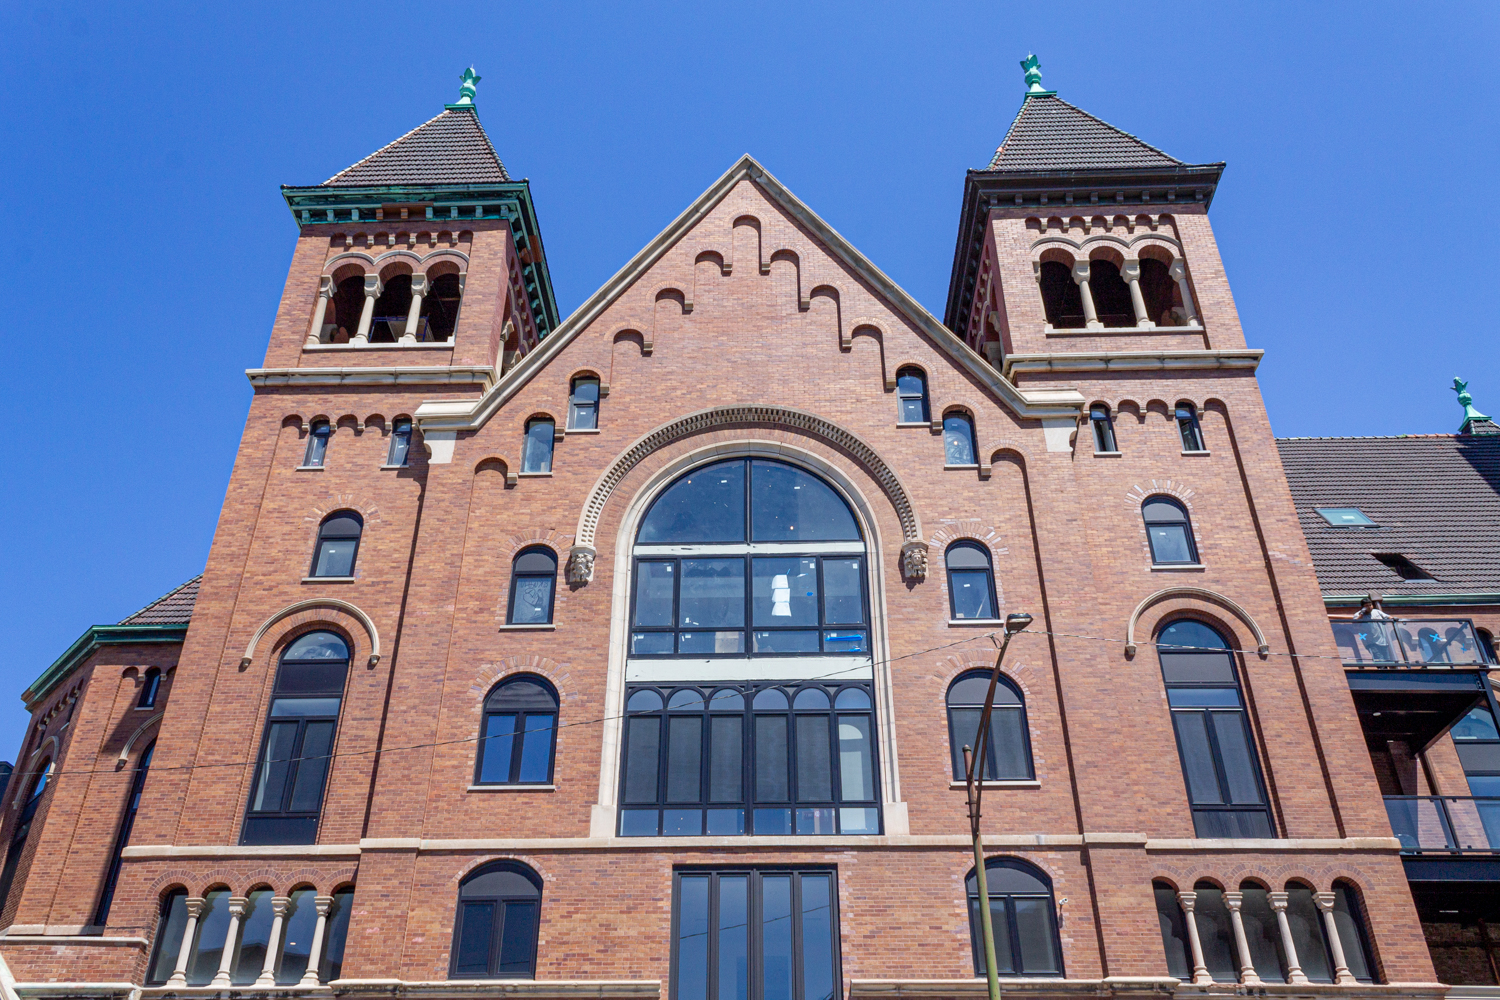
(122, 836)
(583, 404)
(440, 307)
(292, 768)
(958, 439)
(1023, 917)
(533, 581)
(1007, 755)
(1104, 429)
(499, 914)
(317, 444)
(1214, 741)
(971, 582)
(1111, 294)
(150, 687)
(1169, 532)
(338, 544)
(22, 832)
(1160, 293)
(911, 392)
(519, 735)
(1188, 427)
(536, 454)
(1061, 297)
(391, 307)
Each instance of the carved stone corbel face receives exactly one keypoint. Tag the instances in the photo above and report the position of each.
(914, 561)
(580, 568)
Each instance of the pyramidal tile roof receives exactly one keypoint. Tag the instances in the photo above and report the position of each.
(451, 148)
(1051, 134)
(173, 608)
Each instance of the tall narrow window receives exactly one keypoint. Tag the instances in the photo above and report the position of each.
(122, 836)
(170, 925)
(520, 730)
(1023, 917)
(338, 544)
(1174, 934)
(440, 308)
(1188, 427)
(532, 581)
(1215, 933)
(1213, 733)
(1061, 297)
(537, 456)
(22, 832)
(911, 390)
(1104, 430)
(971, 583)
(583, 405)
(499, 913)
(149, 688)
(332, 965)
(400, 443)
(1007, 754)
(317, 445)
(958, 440)
(286, 795)
(1111, 294)
(1169, 531)
(1349, 917)
(753, 934)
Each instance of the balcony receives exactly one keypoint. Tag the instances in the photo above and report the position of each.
(1409, 643)
(1445, 824)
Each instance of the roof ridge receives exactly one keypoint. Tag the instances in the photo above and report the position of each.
(488, 143)
(1382, 437)
(393, 142)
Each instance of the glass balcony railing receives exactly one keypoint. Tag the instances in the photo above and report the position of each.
(1445, 824)
(1409, 642)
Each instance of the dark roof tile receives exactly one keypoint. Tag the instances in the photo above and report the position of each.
(1051, 134)
(449, 149)
(174, 608)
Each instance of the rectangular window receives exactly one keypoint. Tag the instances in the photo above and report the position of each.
(755, 934)
(293, 770)
(538, 448)
(400, 443)
(317, 446)
(583, 405)
(1104, 430)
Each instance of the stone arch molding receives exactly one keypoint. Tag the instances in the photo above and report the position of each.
(580, 568)
(1261, 646)
(316, 602)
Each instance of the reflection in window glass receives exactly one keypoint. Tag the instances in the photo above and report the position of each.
(520, 726)
(958, 440)
(537, 454)
(400, 443)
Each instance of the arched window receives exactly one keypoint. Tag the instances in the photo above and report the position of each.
(520, 732)
(338, 544)
(1215, 933)
(1104, 430)
(317, 445)
(971, 583)
(1188, 428)
(346, 307)
(958, 440)
(911, 390)
(389, 321)
(583, 404)
(122, 836)
(1169, 531)
(533, 578)
(1213, 733)
(1349, 918)
(1174, 934)
(1486, 644)
(499, 912)
(1023, 917)
(1061, 297)
(149, 688)
(1111, 294)
(440, 308)
(286, 795)
(536, 456)
(400, 443)
(1160, 293)
(23, 832)
(1008, 747)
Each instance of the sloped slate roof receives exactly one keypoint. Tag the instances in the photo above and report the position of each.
(1435, 498)
(174, 608)
(449, 149)
(1051, 134)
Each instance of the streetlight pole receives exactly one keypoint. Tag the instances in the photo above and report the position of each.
(975, 786)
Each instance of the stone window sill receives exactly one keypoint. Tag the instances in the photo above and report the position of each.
(915, 423)
(975, 622)
(960, 467)
(1109, 454)
(1203, 452)
(328, 579)
(443, 345)
(395, 466)
(1015, 783)
(310, 468)
(539, 627)
(582, 430)
(512, 788)
(1183, 568)
(534, 475)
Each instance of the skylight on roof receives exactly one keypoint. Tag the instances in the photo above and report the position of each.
(1345, 517)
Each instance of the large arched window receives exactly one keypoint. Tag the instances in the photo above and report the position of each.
(520, 731)
(1023, 917)
(911, 390)
(338, 544)
(1008, 748)
(533, 578)
(286, 795)
(1214, 742)
(971, 583)
(1169, 531)
(499, 912)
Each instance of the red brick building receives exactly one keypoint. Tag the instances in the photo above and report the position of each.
(633, 655)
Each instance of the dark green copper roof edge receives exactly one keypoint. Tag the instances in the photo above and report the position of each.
(1476, 599)
(91, 641)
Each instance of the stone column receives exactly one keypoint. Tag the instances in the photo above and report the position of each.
(1081, 279)
(1189, 901)
(1131, 272)
(195, 905)
(414, 315)
(279, 907)
(325, 292)
(1178, 271)
(237, 906)
(1234, 900)
(1341, 973)
(373, 288)
(315, 953)
(1294, 973)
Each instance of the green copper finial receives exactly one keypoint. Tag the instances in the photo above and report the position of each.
(1033, 67)
(466, 91)
(1467, 402)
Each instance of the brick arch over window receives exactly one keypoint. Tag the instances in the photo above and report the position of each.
(584, 548)
(1198, 593)
(316, 602)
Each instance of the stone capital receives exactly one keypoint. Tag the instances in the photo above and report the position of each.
(1234, 900)
(1189, 900)
(1325, 901)
(373, 286)
(326, 287)
(1131, 270)
(281, 905)
(237, 905)
(1178, 270)
(1080, 271)
(196, 905)
(419, 284)
(323, 904)
(1278, 901)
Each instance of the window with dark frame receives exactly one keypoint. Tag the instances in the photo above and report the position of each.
(1189, 428)
(22, 831)
(499, 915)
(1008, 749)
(400, 443)
(755, 934)
(149, 689)
(338, 544)
(533, 582)
(971, 582)
(1169, 531)
(122, 837)
(1214, 741)
(1104, 430)
(583, 404)
(519, 735)
(286, 794)
(317, 445)
(1023, 916)
(958, 440)
(536, 456)
(911, 393)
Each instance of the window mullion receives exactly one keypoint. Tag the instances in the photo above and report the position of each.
(797, 971)
(294, 762)
(517, 741)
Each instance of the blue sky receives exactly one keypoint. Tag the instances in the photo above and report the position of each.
(144, 144)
